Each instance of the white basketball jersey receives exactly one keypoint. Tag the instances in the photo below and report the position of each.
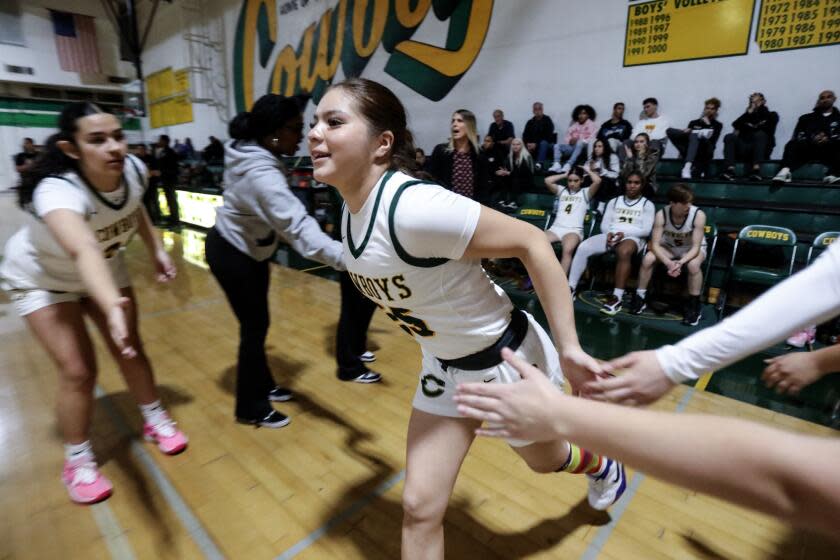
(571, 209)
(679, 238)
(629, 212)
(33, 259)
(451, 307)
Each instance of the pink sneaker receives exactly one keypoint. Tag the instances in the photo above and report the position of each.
(84, 482)
(169, 439)
(803, 337)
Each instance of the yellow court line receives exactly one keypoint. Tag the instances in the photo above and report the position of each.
(703, 381)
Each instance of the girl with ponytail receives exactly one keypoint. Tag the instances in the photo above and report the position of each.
(84, 194)
(415, 249)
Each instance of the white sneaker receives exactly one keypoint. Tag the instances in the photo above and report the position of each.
(566, 168)
(606, 489)
(831, 179)
(368, 357)
(686, 171)
(783, 176)
(555, 167)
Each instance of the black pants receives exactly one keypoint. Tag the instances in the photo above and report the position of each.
(749, 149)
(245, 283)
(799, 152)
(351, 335)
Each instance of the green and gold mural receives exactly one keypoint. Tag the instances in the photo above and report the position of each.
(347, 34)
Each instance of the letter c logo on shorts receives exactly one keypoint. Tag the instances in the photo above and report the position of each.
(432, 386)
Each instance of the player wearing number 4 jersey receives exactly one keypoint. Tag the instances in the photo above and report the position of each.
(414, 248)
(571, 206)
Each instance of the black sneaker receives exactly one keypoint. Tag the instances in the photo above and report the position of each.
(612, 306)
(279, 394)
(366, 377)
(692, 315)
(755, 177)
(273, 419)
(728, 175)
(637, 304)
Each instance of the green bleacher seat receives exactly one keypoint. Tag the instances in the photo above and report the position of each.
(669, 167)
(810, 172)
(763, 235)
(536, 201)
(820, 244)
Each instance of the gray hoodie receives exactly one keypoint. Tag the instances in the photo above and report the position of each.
(258, 205)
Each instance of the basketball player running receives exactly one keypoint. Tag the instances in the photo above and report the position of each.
(84, 194)
(414, 248)
(676, 247)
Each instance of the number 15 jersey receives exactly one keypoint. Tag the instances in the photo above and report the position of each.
(404, 250)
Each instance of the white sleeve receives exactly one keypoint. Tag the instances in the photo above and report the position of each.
(807, 298)
(609, 215)
(638, 129)
(432, 222)
(53, 193)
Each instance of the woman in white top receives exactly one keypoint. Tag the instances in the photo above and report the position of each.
(606, 164)
(571, 206)
(84, 196)
(415, 249)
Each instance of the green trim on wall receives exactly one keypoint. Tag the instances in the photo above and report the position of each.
(47, 120)
(30, 104)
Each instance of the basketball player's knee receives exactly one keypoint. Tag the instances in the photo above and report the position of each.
(694, 266)
(422, 507)
(625, 252)
(77, 375)
(649, 260)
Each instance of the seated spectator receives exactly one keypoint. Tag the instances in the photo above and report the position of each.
(653, 124)
(214, 153)
(697, 141)
(642, 158)
(455, 164)
(517, 174)
(491, 162)
(581, 131)
(421, 159)
(616, 130)
(604, 163)
(815, 138)
(678, 242)
(752, 140)
(24, 159)
(570, 209)
(539, 134)
(627, 222)
(502, 133)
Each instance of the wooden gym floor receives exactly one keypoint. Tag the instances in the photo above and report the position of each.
(327, 486)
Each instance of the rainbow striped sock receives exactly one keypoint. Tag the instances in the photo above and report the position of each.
(581, 461)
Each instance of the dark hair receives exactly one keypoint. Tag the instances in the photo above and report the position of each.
(588, 108)
(270, 112)
(53, 161)
(420, 150)
(577, 170)
(680, 193)
(650, 100)
(714, 101)
(645, 134)
(28, 139)
(636, 173)
(382, 111)
(606, 155)
(617, 103)
(164, 138)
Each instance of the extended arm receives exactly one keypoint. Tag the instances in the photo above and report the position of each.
(697, 235)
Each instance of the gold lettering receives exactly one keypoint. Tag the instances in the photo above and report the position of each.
(377, 26)
(253, 10)
(408, 18)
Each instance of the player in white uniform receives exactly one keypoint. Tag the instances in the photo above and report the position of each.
(415, 249)
(627, 222)
(570, 209)
(85, 199)
(676, 247)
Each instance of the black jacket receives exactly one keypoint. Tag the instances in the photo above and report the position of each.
(760, 119)
(700, 124)
(538, 130)
(440, 168)
(620, 130)
(811, 124)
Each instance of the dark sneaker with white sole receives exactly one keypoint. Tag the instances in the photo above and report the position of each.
(637, 304)
(280, 394)
(612, 305)
(368, 357)
(273, 419)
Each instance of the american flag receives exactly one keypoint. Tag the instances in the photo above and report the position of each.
(75, 40)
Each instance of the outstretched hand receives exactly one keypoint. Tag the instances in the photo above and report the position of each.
(642, 381)
(791, 372)
(164, 267)
(515, 410)
(580, 369)
(118, 327)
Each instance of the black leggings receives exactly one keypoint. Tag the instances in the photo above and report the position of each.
(351, 335)
(245, 283)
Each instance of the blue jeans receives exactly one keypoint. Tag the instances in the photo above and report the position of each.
(573, 152)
